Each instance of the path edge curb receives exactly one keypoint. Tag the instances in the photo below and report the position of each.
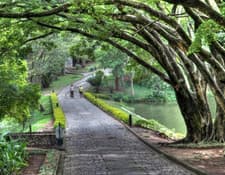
(168, 156)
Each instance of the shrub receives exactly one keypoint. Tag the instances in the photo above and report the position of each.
(150, 124)
(59, 117)
(12, 156)
(118, 113)
(103, 96)
(97, 80)
(159, 90)
(58, 113)
(125, 98)
(156, 126)
(54, 100)
(117, 97)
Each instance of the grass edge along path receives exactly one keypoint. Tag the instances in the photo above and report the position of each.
(124, 116)
(62, 82)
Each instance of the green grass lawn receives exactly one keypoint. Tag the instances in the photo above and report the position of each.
(61, 82)
(38, 119)
(139, 91)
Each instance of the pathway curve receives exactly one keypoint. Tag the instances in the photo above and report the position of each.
(98, 144)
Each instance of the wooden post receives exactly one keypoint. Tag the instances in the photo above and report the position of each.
(130, 120)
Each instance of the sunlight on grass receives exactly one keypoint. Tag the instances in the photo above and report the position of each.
(63, 81)
(38, 120)
(40, 124)
(139, 91)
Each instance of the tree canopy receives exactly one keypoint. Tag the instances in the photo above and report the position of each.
(183, 37)
(17, 96)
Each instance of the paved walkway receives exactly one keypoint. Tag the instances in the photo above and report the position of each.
(98, 144)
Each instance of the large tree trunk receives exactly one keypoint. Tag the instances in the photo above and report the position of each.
(83, 62)
(45, 81)
(74, 61)
(117, 86)
(219, 124)
(196, 115)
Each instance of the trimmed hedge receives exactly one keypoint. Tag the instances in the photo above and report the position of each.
(103, 96)
(118, 113)
(138, 121)
(58, 113)
(54, 100)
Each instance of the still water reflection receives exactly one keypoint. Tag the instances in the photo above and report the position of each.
(167, 114)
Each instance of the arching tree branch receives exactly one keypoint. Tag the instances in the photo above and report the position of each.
(203, 7)
(163, 76)
(38, 37)
(35, 14)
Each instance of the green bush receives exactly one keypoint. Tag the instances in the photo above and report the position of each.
(117, 97)
(58, 113)
(156, 126)
(125, 98)
(103, 96)
(97, 80)
(150, 124)
(157, 96)
(54, 100)
(12, 156)
(59, 117)
(159, 90)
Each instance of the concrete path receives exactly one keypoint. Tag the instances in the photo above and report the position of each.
(97, 144)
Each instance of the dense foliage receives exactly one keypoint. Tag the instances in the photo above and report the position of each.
(181, 36)
(36, 122)
(96, 81)
(47, 58)
(17, 96)
(12, 156)
(159, 90)
(82, 51)
(109, 57)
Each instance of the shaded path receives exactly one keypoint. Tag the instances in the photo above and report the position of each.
(98, 144)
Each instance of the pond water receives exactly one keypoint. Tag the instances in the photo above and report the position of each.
(167, 114)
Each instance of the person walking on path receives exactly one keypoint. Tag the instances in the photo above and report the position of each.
(81, 91)
(71, 90)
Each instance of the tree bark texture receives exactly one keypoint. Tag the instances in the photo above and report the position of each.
(197, 118)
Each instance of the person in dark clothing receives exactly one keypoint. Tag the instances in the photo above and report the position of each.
(71, 90)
